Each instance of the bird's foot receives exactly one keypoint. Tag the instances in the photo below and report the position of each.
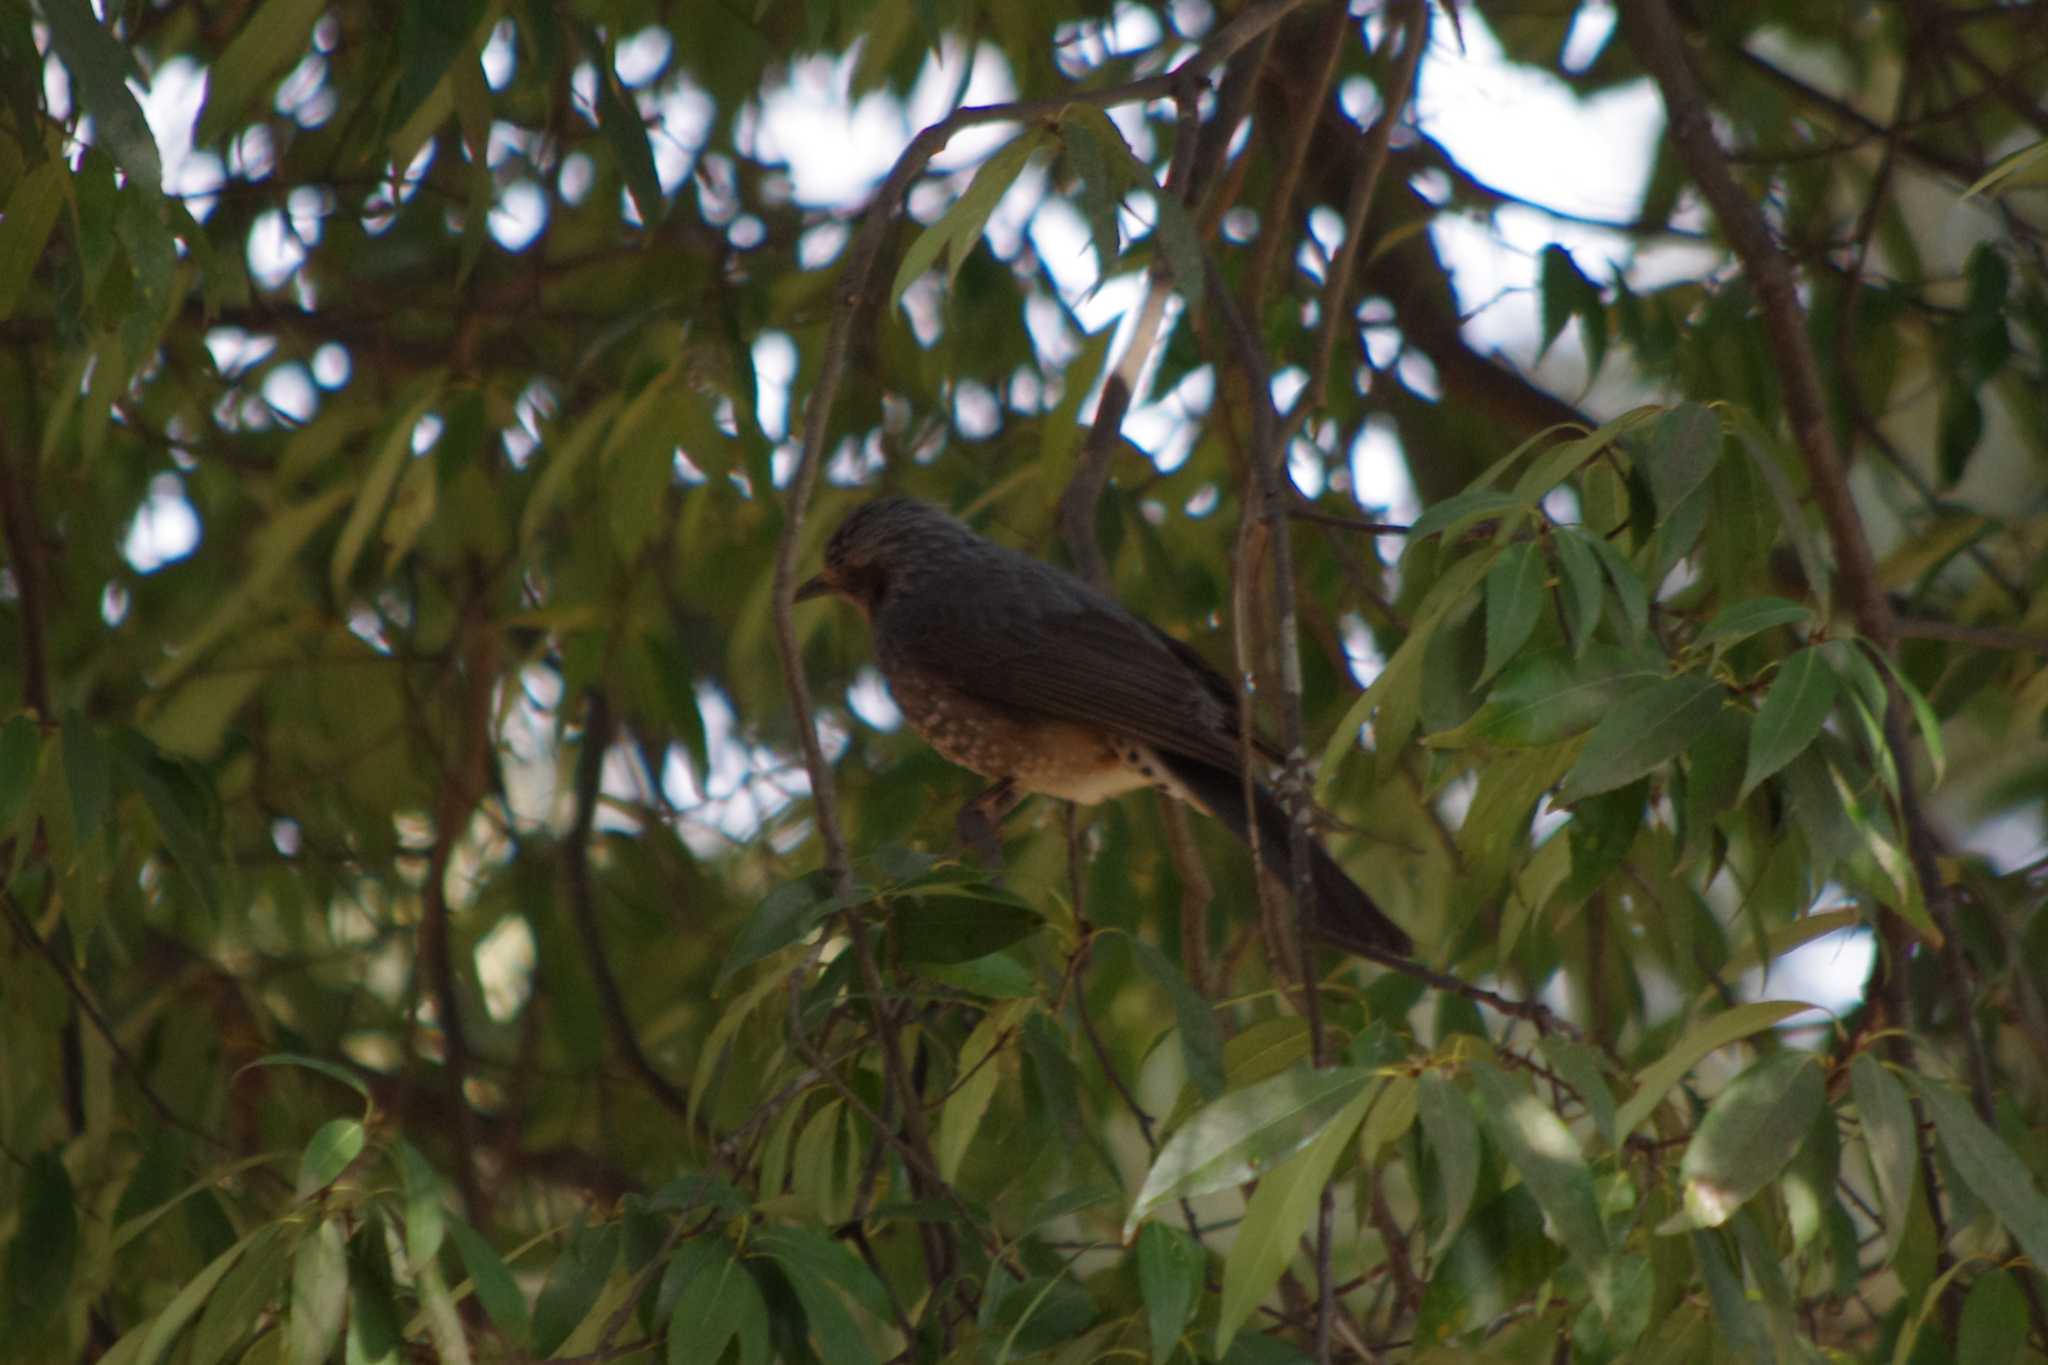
(979, 823)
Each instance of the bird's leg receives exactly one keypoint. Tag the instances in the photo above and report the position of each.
(979, 817)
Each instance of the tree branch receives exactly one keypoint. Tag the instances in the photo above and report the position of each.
(598, 730)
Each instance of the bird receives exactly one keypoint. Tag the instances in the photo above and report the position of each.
(1029, 676)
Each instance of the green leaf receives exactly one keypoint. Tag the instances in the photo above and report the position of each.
(384, 467)
(828, 1261)
(1566, 293)
(187, 813)
(1100, 194)
(1790, 719)
(1655, 1081)
(87, 774)
(100, 65)
(1538, 1145)
(1989, 1167)
(958, 231)
(1681, 450)
(21, 744)
(1994, 1330)
(1201, 1038)
(1170, 1273)
(1581, 1067)
(619, 119)
(430, 39)
(1514, 602)
(328, 1069)
(374, 1333)
(978, 1075)
(1491, 1267)
(1280, 1212)
(31, 213)
(573, 1284)
(718, 1301)
(1547, 695)
(187, 1302)
(1036, 1315)
(332, 1147)
(234, 1310)
(273, 550)
(1628, 585)
(1459, 511)
(1750, 1132)
(269, 44)
(1982, 344)
(444, 1324)
(1584, 587)
(495, 1288)
(1452, 1139)
(1923, 717)
(1245, 1134)
(799, 1253)
(425, 1222)
(1762, 447)
(1602, 830)
(785, 915)
(960, 924)
(1959, 430)
(564, 455)
(319, 1293)
(2017, 165)
(1640, 733)
(1741, 620)
(1891, 1140)
(44, 1249)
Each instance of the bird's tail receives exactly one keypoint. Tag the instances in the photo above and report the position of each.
(1343, 915)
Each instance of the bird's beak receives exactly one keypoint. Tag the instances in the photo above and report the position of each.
(818, 586)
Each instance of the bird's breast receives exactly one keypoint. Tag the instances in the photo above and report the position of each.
(1044, 754)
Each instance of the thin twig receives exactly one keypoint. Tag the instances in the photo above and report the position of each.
(1304, 512)
(597, 741)
(461, 787)
(90, 1009)
(1336, 314)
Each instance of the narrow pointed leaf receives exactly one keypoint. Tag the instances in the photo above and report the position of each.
(1752, 1129)
(1654, 1082)
(1793, 711)
(1891, 1139)
(1514, 602)
(1245, 1134)
(1642, 732)
(1990, 1167)
(1453, 1138)
(1279, 1214)
(1546, 1155)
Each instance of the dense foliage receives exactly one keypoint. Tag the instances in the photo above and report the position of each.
(455, 907)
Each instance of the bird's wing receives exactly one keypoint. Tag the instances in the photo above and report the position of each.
(1085, 662)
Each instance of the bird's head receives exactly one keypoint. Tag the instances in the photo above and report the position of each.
(877, 548)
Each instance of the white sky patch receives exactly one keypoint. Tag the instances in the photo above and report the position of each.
(290, 393)
(640, 58)
(501, 55)
(165, 529)
(774, 367)
(869, 699)
(519, 216)
(1525, 133)
(1828, 972)
(170, 105)
(836, 153)
(332, 365)
(235, 350)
